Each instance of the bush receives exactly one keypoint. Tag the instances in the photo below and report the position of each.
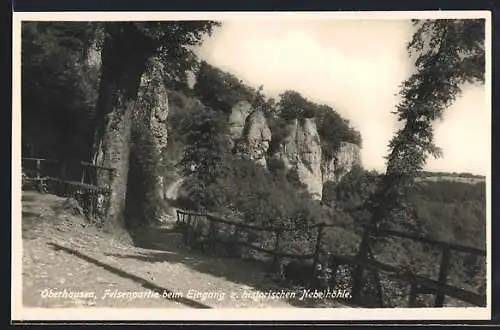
(261, 199)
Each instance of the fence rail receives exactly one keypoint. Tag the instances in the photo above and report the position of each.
(362, 262)
(440, 244)
(84, 181)
(186, 220)
(418, 283)
(71, 172)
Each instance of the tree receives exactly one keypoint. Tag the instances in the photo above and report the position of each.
(332, 128)
(58, 88)
(293, 105)
(220, 90)
(127, 47)
(450, 53)
(207, 146)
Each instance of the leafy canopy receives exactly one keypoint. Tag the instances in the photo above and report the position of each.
(449, 54)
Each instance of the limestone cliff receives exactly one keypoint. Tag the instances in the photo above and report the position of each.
(152, 102)
(257, 136)
(250, 132)
(153, 105)
(300, 152)
(237, 119)
(346, 157)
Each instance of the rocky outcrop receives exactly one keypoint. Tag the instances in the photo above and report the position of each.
(249, 132)
(237, 119)
(300, 152)
(346, 157)
(153, 104)
(153, 97)
(257, 137)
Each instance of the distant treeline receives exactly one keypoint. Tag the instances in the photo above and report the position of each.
(452, 174)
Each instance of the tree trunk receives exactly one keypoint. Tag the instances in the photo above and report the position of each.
(123, 61)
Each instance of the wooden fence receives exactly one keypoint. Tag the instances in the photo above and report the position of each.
(362, 261)
(418, 284)
(185, 220)
(77, 173)
(73, 179)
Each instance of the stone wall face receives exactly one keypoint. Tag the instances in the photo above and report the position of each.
(346, 158)
(300, 151)
(153, 108)
(250, 132)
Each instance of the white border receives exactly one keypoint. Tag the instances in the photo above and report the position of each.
(275, 314)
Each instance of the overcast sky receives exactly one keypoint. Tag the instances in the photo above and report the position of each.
(355, 66)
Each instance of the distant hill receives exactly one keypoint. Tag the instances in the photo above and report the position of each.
(453, 176)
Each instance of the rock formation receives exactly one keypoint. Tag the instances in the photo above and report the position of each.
(237, 119)
(257, 136)
(346, 157)
(300, 152)
(153, 100)
(250, 132)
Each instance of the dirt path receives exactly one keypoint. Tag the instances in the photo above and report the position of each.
(173, 189)
(60, 252)
(171, 194)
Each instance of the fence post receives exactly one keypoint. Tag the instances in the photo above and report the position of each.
(38, 168)
(443, 275)
(412, 302)
(213, 230)
(184, 230)
(188, 229)
(359, 271)
(276, 259)
(91, 195)
(83, 174)
(317, 251)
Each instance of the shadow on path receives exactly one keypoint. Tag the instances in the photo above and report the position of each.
(145, 283)
(244, 272)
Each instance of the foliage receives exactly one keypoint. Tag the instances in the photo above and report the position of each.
(265, 197)
(68, 98)
(58, 89)
(443, 210)
(255, 196)
(221, 183)
(351, 194)
(449, 54)
(460, 208)
(173, 42)
(220, 90)
(452, 175)
(332, 128)
(293, 105)
(207, 144)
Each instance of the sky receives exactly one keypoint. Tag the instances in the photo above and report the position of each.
(356, 67)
